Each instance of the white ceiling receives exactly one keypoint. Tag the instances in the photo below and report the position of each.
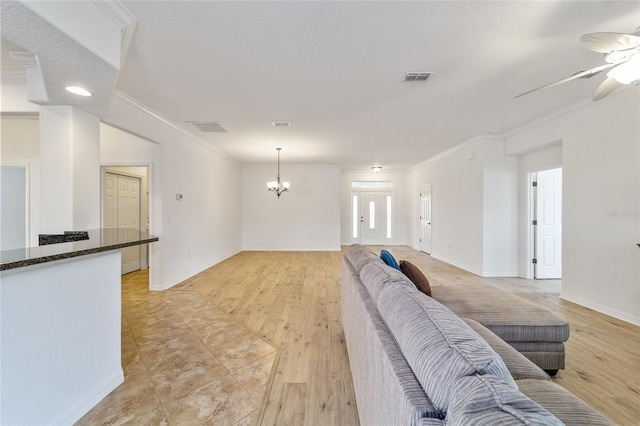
(335, 69)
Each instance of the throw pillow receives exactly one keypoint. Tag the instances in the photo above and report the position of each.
(389, 259)
(416, 276)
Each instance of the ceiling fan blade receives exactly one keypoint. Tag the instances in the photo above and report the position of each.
(605, 88)
(584, 73)
(609, 42)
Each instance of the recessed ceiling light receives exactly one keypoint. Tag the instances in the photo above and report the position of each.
(376, 169)
(78, 91)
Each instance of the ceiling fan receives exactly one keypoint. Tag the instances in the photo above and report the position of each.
(622, 57)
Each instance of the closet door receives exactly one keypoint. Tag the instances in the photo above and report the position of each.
(122, 210)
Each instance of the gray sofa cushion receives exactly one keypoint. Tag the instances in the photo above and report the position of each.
(375, 276)
(439, 347)
(512, 318)
(359, 256)
(485, 400)
(519, 366)
(562, 403)
(387, 391)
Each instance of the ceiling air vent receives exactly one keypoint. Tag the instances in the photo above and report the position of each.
(281, 123)
(416, 76)
(208, 126)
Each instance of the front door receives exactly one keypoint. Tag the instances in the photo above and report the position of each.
(548, 228)
(373, 219)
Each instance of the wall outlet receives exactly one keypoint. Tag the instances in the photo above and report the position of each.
(179, 197)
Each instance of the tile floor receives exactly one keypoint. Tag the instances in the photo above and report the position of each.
(185, 362)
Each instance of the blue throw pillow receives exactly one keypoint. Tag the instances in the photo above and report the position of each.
(389, 259)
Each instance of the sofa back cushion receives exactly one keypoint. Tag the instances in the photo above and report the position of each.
(359, 256)
(438, 345)
(375, 276)
(485, 400)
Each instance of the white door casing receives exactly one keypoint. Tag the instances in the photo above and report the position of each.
(425, 218)
(548, 227)
(122, 210)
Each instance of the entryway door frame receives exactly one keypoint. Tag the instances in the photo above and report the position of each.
(358, 219)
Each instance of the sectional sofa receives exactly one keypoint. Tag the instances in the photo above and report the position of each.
(415, 362)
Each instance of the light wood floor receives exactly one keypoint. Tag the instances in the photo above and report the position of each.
(293, 300)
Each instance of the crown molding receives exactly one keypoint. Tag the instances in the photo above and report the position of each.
(13, 77)
(115, 10)
(119, 14)
(145, 109)
(549, 116)
(443, 154)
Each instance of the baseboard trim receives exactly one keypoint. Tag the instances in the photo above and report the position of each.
(175, 281)
(457, 264)
(600, 308)
(85, 405)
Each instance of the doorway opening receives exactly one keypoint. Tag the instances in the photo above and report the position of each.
(545, 229)
(14, 206)
(125, 204)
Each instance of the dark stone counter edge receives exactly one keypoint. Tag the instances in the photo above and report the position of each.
(68, 255)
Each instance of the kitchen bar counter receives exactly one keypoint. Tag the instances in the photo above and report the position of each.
(60, 317)
(100, 240)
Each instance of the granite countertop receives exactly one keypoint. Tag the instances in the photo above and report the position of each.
(100, 240)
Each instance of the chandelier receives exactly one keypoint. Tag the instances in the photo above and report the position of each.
(277, 186)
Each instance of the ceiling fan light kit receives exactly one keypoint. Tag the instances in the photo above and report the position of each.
(627, 72)
(622, 57)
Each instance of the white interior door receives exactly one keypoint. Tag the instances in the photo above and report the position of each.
(425, 218)
(122, 210)
(373, 218)
(548, 228)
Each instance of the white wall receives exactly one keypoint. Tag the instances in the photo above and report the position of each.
(399, 179)
(69, 170)
(474, 207)
(305, 218)
(21, 146)
(456, 212)
(202, 229)
(500, 211)
(601, 199)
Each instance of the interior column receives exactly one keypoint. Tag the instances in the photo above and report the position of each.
(69, 169)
